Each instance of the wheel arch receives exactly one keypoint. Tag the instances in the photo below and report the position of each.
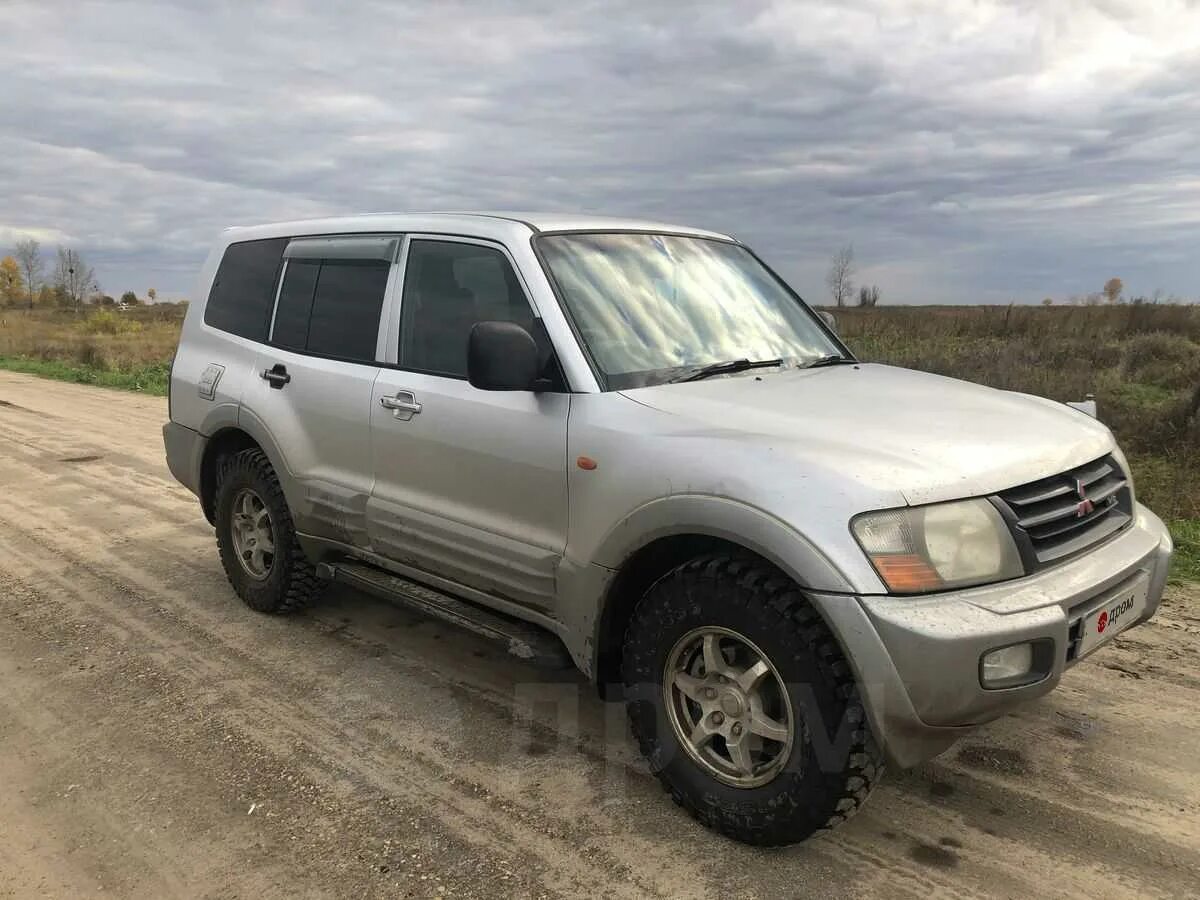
(667, 541)
(231, 435)
(636, 575)
(231, 439)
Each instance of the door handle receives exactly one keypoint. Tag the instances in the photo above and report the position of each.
(277, 376)
(403, 406)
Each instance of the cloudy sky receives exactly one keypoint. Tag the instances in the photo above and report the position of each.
(971, 151)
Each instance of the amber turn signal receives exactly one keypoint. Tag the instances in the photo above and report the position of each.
(906, 573)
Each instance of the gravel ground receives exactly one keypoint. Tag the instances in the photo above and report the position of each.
(158, 739)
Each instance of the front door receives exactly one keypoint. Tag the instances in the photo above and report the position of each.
(470, 485)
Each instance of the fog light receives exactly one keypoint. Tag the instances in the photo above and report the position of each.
(1007, 666)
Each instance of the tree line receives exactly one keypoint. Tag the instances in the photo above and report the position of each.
(23, 277)
(1113, 293)
(840, 279)
(71, 282)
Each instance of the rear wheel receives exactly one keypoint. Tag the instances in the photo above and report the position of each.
(741, 700)
(256, 539)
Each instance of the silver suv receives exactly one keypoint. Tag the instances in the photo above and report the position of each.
(631, 447)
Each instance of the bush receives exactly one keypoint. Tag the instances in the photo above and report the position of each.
(90, 355)
(106, 322)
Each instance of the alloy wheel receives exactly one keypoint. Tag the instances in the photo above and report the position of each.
(253, 535)
(729, 706)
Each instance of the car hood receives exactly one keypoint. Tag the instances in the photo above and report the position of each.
(929, 437)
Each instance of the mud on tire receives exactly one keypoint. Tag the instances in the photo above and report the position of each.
(834, 760)
(291, 581)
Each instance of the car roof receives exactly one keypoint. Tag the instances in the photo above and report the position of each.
(549, 221)
(496, 225)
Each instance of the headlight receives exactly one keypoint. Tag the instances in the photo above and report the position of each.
(945, 545)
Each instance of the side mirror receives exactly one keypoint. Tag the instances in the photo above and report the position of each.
(829, 319)
(501, 356)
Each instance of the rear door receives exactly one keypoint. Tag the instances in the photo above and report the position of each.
(470, 485)
(219, 346)
(314, 381)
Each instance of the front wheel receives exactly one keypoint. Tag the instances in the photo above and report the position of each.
(741, 700)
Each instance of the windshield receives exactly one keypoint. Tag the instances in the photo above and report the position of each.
(653, 307)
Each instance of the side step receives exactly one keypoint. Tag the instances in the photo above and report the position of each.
(521, 639)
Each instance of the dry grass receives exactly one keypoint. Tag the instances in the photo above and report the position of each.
(101, 339)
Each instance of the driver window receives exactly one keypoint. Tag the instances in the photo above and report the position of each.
(448, 287)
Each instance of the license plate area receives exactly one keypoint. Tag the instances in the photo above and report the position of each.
(1106, 619)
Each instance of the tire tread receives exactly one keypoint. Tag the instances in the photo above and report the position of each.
(783, 606)
(300, 584)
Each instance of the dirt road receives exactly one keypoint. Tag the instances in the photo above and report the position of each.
(158, 739)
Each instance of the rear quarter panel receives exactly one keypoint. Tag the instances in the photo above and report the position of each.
(201, 346)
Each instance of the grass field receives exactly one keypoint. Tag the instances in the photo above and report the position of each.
(1142, 363)
(130, 349)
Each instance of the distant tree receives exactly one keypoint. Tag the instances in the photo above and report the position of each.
(29, 259)
(1049, 301)
(130, 298)
(12, 285)
(1112, 290)
(868, 296)
(105, 300)
(73, 278)
(840, 277)
(152, 295)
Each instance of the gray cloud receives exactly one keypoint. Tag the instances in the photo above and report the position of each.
(972, 151)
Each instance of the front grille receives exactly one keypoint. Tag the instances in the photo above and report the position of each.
(1051, 519)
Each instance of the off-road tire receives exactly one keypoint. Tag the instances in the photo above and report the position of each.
(292, 581)
(825, 780)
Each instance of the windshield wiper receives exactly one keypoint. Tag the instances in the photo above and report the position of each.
(723, 368)
(833, 360)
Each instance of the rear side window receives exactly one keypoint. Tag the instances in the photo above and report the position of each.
(244, 290)
(331, 307)
(295, 304)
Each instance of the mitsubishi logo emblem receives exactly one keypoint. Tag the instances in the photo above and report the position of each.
(1085, 505)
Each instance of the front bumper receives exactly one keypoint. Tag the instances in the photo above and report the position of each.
(918, 658)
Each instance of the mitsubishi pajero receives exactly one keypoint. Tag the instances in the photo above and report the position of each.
(633, 447)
